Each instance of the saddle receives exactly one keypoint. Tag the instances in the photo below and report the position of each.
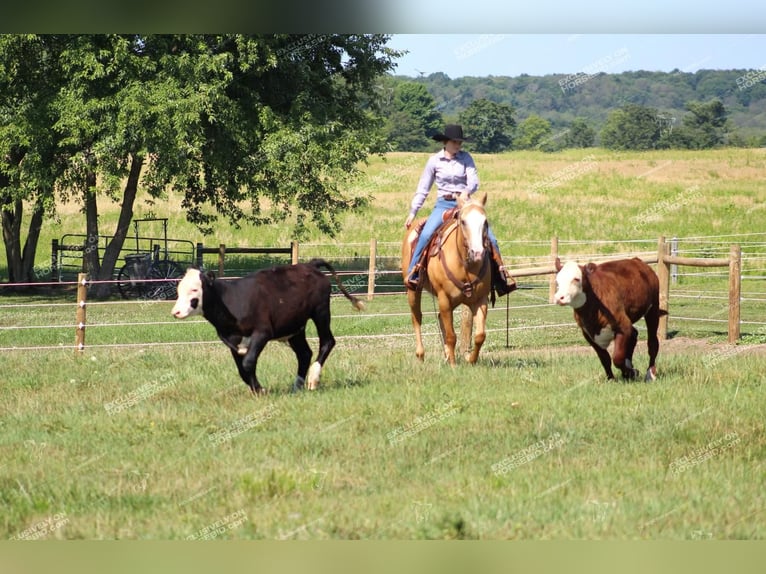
(449, 222)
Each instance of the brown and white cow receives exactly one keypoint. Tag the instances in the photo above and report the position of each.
(608, 299)
(271, 304)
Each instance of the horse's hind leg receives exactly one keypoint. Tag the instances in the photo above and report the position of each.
(480, 333)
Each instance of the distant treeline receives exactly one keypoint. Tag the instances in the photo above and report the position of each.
(528, 112)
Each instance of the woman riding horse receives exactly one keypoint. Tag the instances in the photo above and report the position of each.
(454, 172)
(457, 271)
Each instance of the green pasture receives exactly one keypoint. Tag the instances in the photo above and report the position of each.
(150, 434)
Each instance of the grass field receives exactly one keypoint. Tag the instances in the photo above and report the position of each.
(162, 440)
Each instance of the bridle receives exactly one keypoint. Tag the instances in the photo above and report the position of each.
(466, 287)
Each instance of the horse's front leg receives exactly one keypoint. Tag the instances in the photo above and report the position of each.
(413, 298)
(480, 333)
(447, 328)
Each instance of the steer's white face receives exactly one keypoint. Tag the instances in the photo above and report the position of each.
(569, 286)
(189, 300)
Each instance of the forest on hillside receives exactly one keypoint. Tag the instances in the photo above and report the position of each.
(559, 99)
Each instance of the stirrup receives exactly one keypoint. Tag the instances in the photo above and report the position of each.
(413, 279)
(505, 283)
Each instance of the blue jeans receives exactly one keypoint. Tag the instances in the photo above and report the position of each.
(432, 224)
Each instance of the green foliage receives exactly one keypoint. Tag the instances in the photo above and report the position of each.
(489, 124)
(412, 119)
(580, 134)
(532, 133)
(743, 96)
(633, 127)
(254, 128)
(703, 127)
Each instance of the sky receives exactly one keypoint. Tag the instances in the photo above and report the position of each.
(500, 54)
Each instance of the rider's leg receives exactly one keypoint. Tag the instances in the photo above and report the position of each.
(501, 279)
(431, 225)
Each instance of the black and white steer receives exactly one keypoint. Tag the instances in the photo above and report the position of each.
(271, 304)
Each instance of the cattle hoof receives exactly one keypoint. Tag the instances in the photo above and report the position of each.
(314, 373)
(298, 384)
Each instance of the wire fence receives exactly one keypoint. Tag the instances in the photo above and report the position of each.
(698, 301)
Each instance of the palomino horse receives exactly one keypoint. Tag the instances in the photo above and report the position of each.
(458, 271)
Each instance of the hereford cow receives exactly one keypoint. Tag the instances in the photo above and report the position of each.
(607, 300)
(271, 304)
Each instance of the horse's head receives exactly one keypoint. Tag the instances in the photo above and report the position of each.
(472, 222)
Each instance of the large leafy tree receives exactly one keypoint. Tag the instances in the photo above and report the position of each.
(533, 133)
(489, 124)
(703, 126)
(579, 134)
(259, 129)
(633, 127)
(29, 162)
(412, 118)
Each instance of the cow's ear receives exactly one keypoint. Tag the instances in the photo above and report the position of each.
(557, 265)
(590, 268)
(208, 277)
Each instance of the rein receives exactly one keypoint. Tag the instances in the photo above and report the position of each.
(465, 286)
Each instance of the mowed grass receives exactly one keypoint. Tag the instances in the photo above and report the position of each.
(165, 442)
(150, 434)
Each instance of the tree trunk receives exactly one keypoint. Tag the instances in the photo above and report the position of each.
(113, 249)
(28, 268)
(12, 212)
(90, 260)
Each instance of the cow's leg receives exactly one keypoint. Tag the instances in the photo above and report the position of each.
(250, 360)
(326, 344)
(603, 355)
(302, 350)
(620, 354)
(480, 333)
(413, 298)
(246, 375)
(630, 347)
(652, 319)
(447, 328)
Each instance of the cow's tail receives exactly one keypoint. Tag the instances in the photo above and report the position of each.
(358, 305)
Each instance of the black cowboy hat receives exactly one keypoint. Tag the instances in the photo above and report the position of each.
(451, 132)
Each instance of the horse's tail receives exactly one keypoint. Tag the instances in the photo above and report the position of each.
(316, 262)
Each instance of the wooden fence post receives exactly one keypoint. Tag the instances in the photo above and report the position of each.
(54, 259)
(294, 252)
(82, 296)
(198, 259)
(735, 288)
(552, 280)
(221, 257)
(663, 274)
(371, 269)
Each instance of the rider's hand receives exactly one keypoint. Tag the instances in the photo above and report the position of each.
(409, 221)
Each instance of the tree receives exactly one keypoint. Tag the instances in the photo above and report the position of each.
(533, 132)
(29, 164)
(704, 126)
(227, 121)
(413, 118)
(633, 127)
(490, 125)
(580, 134)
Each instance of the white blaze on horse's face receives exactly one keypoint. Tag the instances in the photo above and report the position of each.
(473, 222)
(189, 300)
(569, 286)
